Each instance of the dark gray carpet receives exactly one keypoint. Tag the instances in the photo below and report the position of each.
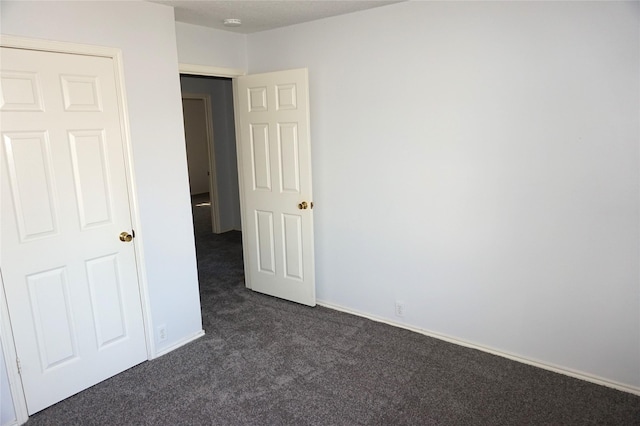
(265, 361)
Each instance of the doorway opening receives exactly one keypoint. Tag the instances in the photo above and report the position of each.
(210, 137)
(211, 150)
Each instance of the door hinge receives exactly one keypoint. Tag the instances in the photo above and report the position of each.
(19, 366)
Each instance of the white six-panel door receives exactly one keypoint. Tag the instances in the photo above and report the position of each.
(275, 156)
(71, 284)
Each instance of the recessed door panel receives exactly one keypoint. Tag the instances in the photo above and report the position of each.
(30, 175)
(286, 97)
(89, 158)
(266, 244)
(21, 91)
(81, 93)
(53, 319)
(292, 246)
(260, 158)
(289, 162)
(257, 101)
(106, 299)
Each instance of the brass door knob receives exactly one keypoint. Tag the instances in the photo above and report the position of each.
(303, 205)
(126, 237)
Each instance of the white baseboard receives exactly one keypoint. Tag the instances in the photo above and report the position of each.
(550, 367)
(180, 343)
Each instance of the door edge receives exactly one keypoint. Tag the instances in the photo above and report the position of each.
(10, 356)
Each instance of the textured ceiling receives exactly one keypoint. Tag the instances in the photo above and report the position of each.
(263, 15)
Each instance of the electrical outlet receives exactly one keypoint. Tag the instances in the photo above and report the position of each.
(400, 308)
(162, 333)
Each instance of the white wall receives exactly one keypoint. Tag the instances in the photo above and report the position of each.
(206, 46)
(479, 161)
(224, 139)
(146, 34)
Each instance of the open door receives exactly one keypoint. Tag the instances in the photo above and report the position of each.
(274, 159)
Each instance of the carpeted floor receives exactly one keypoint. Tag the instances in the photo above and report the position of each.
(265, 361)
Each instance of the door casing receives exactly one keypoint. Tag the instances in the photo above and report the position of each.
(6, 331)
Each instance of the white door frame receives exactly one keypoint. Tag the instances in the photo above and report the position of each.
(211, 144)
(208, 71)
(116, 56)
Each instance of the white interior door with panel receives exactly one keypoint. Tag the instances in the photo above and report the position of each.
(275, 163)
(70, 277)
